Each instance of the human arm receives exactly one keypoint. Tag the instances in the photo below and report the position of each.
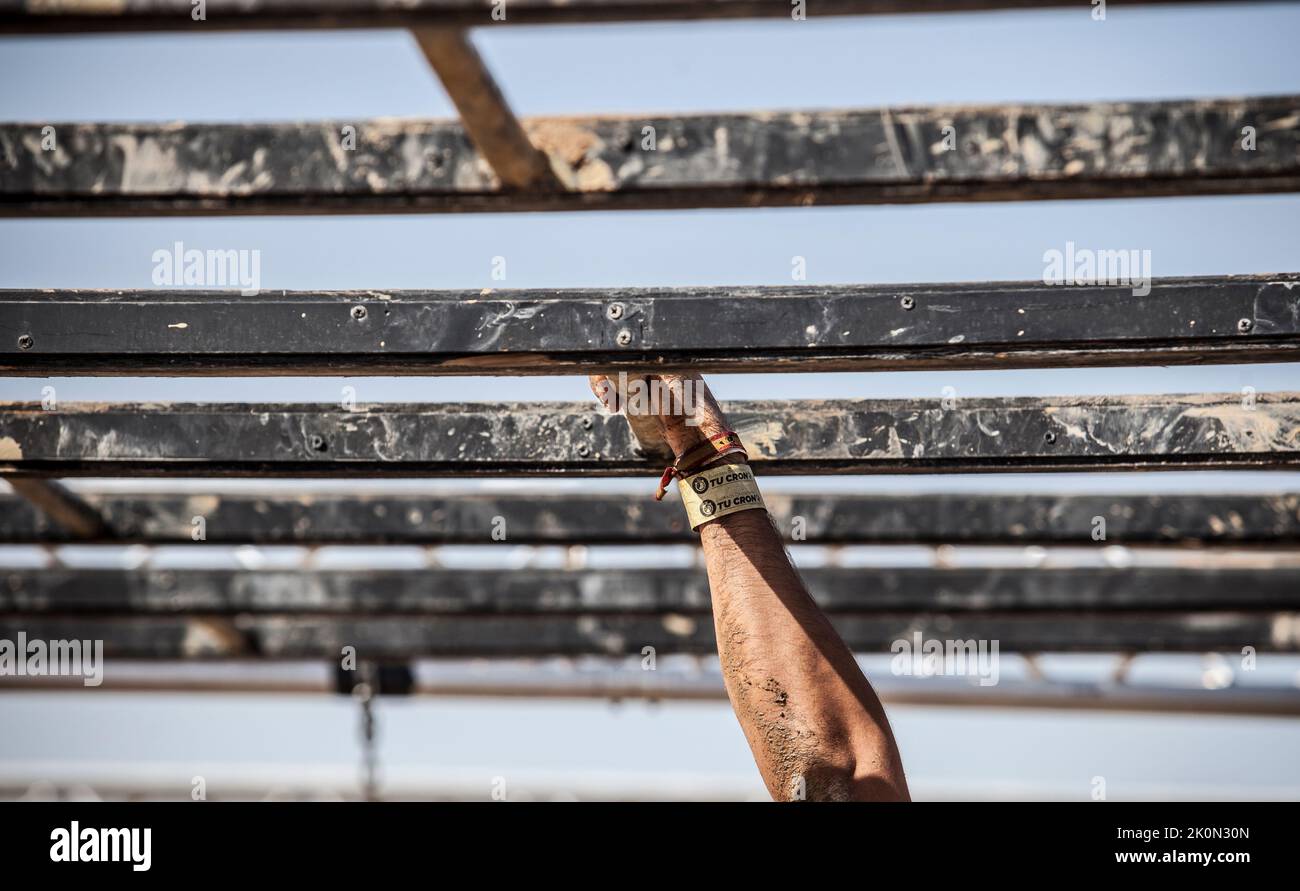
(813, 722)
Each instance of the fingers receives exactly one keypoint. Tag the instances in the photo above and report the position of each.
(688, 396)
(682, 395)
(605, 391)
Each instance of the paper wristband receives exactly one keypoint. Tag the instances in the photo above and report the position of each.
(719, 491)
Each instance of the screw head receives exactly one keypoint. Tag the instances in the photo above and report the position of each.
(359, 312)
(614, 312)
(1245, 325)
(25, 342)
(907, 302)
(1049, 437)
(317, 443)
(624, 337)
(583, 451)
(586, 423)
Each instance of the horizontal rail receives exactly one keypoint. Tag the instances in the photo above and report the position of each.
(278, 637)
(901, 155)
(633, 591)
(823, 436)
(70, 16)
(324, 518)
(662, 686)
(829, 328)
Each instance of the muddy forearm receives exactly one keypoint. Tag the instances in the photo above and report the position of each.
(814, 724)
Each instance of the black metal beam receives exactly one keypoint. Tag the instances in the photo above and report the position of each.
(623, 680)
(981, 590)
(546, 518)
(620, 683)
(995, 153)
(34, 16)
(822, 436)
(273, 637)
(808, 328)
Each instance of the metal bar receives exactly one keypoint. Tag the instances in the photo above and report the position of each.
(1233, 319)
(635, 591)
(64, 16)
(1097, 433)
(492, 126)
(153, 677)
(408, 637)
(575, 518)
(900, 155)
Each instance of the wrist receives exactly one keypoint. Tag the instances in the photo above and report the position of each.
(682, 438)
(707, 454)
(720, 490)
(733, 458)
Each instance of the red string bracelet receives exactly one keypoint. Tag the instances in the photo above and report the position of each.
(718, 445)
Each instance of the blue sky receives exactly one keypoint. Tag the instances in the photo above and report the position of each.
(1057, 55)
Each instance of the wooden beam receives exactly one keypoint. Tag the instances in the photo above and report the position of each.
(278, 637)
(491, 125)
(998, 153)
(66, 510)
(982, 590)
(1237, 319)
(847, 436)
(65, 16)
(546, 518)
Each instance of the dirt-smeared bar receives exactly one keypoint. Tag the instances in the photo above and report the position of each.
(1237, 319)
(1219, 431)
(578, 518)
(791, 158)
